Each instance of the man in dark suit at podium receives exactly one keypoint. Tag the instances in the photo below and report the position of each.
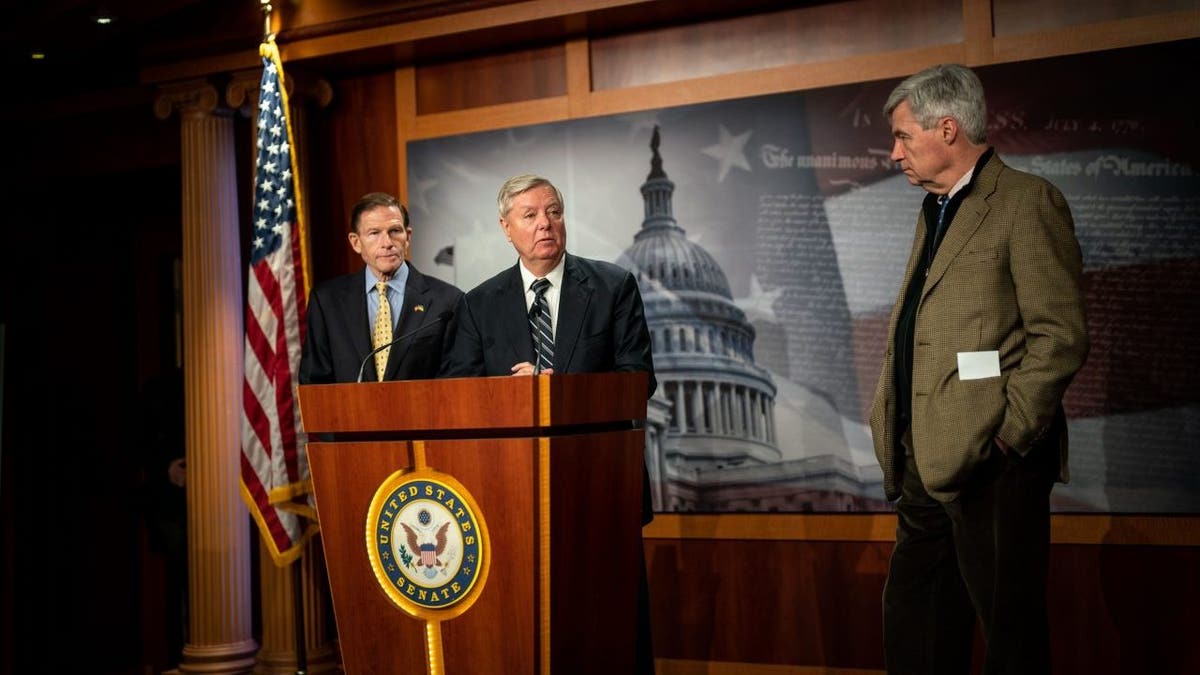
(554, 312)
(596, 322)
(388, 306)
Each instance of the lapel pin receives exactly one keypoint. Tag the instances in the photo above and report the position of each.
(419, 308)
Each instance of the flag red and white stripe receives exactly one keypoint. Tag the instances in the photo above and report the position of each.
(275, 478)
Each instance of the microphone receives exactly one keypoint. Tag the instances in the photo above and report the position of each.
(440, 318)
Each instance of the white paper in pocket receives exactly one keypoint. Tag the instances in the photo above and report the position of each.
(978, 365)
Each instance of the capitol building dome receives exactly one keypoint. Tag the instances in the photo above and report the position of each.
(716, 407)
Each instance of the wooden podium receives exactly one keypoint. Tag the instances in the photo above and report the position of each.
(554, 467)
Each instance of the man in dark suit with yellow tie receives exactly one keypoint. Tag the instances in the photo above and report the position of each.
(554, 312)
(351, 315)
(968, 424)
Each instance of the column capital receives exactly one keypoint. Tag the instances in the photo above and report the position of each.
(302, 88)
(189, 97)
(242, 88)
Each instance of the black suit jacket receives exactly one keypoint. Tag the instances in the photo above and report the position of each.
(601, 328)
(339, 331)
(601, 324)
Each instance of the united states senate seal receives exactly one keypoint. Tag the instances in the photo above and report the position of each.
(427, 543)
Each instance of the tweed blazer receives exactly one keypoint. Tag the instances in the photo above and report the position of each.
(1007, 277)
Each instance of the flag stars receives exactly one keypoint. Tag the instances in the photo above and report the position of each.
(274, 207)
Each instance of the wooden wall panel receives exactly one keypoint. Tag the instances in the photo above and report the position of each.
(768, 602)
(1113, 609)
(823, 32)
(1016, 17)
(528, 75)
(355, 152)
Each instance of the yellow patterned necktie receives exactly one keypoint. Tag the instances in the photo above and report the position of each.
(383, 330)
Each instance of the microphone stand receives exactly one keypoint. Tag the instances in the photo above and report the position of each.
(363, 366)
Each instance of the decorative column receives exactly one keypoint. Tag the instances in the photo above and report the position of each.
(680, 408)
(771, 421)
(755, 422)
(278, 585)
(722, 411)
(219, 616)
(658, 419)
(744, 411)
(709, 412)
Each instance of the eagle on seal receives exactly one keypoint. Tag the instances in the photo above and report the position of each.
(429, 552)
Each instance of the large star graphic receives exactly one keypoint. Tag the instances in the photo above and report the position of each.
(759, 303)
(729, 151)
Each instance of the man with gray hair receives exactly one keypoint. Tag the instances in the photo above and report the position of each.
(593, 318)
(968, 424)
(554, 312)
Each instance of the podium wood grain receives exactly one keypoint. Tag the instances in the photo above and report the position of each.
(594, 505)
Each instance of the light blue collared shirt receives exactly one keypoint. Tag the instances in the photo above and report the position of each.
(395, 294)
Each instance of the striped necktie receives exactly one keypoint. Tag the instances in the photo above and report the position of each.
(941, 219)
(383, 330)
(539, 326)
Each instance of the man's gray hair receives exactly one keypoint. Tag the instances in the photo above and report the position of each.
(518, 184)
(946, 90)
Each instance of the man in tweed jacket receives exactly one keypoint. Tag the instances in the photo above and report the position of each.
(968, 425)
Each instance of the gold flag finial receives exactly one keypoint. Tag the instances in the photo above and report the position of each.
(266, 10)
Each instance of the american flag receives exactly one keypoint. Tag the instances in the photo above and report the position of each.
(275, 479)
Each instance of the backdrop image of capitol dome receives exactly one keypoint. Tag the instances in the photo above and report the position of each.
(712, 441)
(720, 435)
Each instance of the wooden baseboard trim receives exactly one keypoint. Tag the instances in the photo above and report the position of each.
(1076, 529)
(686, 667)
